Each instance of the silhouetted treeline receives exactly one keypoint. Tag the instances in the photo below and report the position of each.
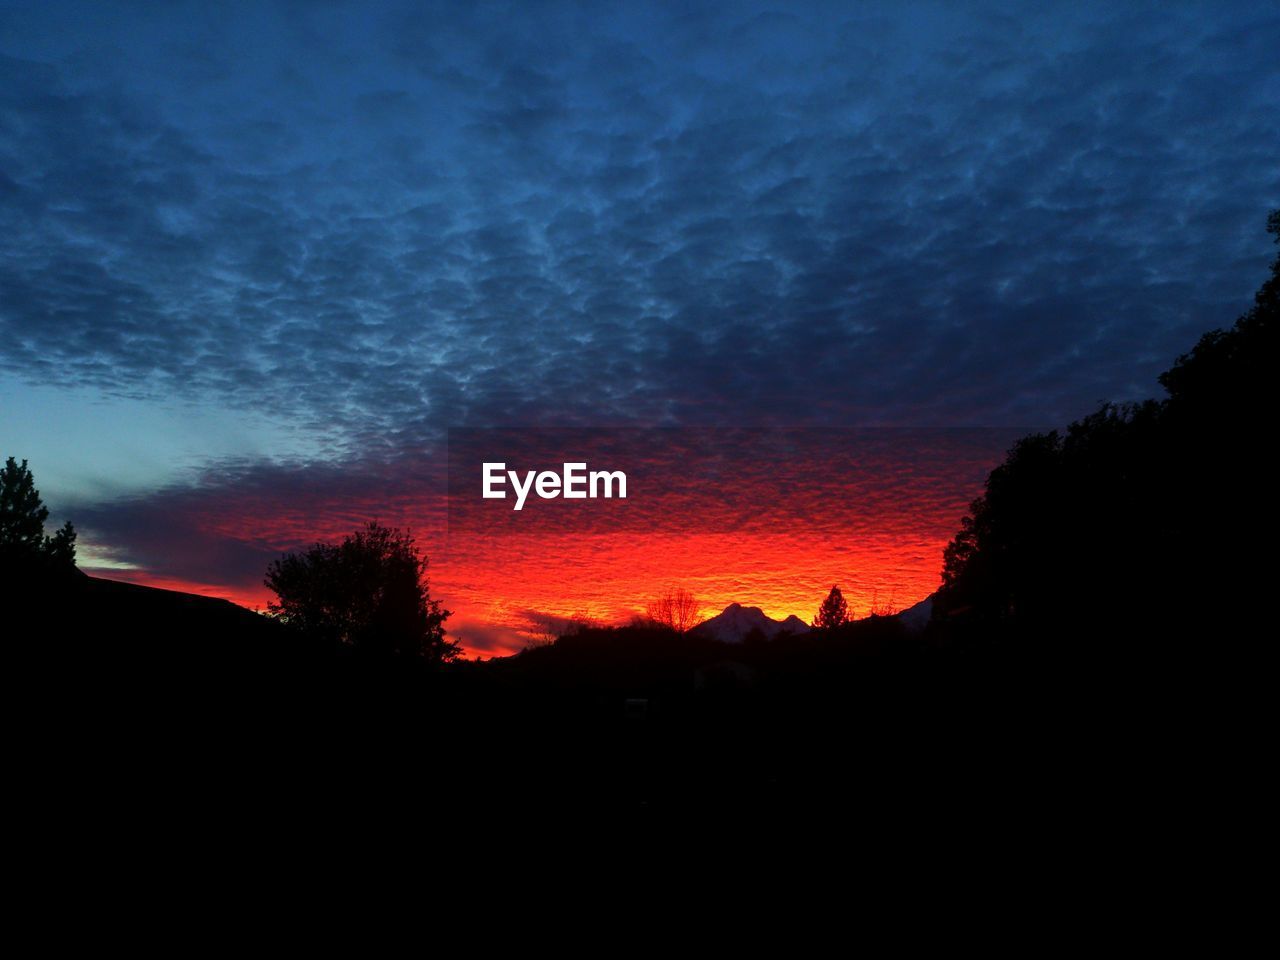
(1141, 530)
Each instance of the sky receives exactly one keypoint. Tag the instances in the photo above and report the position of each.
(258, 260)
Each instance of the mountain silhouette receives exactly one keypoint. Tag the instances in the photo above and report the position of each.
(736, 622)
(917, 616)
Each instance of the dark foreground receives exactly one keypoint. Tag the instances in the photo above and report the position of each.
(151, 712)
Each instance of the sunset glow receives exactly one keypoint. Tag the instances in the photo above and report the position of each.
(764, 518)
(803, 272)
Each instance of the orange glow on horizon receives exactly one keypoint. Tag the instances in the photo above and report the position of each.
(872, 516)
(497, 592)
(250, 599)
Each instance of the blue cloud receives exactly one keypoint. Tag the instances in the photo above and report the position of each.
(382, 222)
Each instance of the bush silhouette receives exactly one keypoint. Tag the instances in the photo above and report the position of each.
(676, 609)
(368, 592)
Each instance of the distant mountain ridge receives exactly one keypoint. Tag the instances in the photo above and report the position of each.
(735, 622)
(916, 617)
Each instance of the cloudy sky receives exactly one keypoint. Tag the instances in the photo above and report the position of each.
(268, 254)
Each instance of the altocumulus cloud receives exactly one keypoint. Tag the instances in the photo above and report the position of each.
(380, 221)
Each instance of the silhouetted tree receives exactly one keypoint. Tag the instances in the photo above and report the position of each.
(370, 592)
(23, 544)
(676, 609)
(833, 613)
